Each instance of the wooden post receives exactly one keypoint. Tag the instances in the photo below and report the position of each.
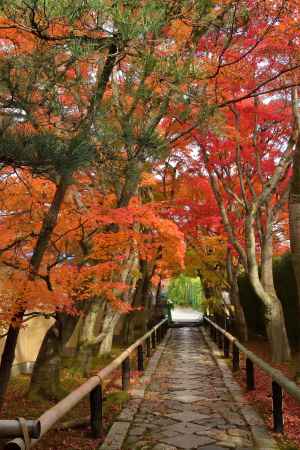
(213, 333)
(148, 347)
(158, 331)
(226, 347)
(153, 336)
(277, 407)
(250, 375)
(165, 328)
(226, 323)
(220, 339)
(96, 411)
(125, 374)
(235, 358)
(140, 358)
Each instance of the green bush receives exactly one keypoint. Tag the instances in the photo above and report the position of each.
(286, 288)
(285, 285)
(253, 306)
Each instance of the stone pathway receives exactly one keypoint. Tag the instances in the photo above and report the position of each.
(187, 405)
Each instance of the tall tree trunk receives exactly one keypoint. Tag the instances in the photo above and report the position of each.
(112, 317)
(136, 322)
(88, 339)
(264, 288)
(240, 320)
(45, 380)
(294, 216)
(7, 359)
(48, 226)
(109, 324)
(294, 197)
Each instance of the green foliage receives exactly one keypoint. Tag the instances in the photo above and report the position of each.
(130, 22)
(203, 6)
(286, 288)
(45, 154)
(253, 306)
(186, 291)
(115, 400)
(213, 304)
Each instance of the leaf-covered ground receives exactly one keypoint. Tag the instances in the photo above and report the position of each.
(261, 397)
(18, 405)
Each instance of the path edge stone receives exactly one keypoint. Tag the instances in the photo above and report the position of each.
(261, 436)
(119, 429)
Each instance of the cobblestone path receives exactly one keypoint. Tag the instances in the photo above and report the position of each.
(187, 405)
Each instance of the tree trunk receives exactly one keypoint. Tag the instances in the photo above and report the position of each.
(240, 320)
(294, 225)
(49, 223)
(276, 331)
(294, 222)
(87, 339)
(264, 288)
(7, 359)
(136, 322)
(294, 197)
(45, 380)
(110, 321)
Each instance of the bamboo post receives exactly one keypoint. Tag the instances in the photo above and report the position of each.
(220, 340)
(96, 411)
(226, 347)
(158, 335)
(235, 358)
(153, 339)
(250, 375)
(148, 347)
(140, 355)
(125, 374)
(277, 407)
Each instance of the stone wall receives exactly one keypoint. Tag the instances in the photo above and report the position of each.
(29, 342)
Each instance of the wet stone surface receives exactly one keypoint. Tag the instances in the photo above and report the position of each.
(187, 405)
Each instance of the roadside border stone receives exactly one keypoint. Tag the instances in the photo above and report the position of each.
(119, 429)
(261, 436)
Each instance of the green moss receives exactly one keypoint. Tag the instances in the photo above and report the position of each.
(116, 399)
(287, 446)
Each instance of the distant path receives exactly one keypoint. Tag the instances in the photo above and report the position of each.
(187, 405)
(185, 314)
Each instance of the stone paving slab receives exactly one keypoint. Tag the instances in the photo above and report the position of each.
(188, 403)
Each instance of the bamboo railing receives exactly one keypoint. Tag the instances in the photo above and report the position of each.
(21, 430)
(279, 381)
